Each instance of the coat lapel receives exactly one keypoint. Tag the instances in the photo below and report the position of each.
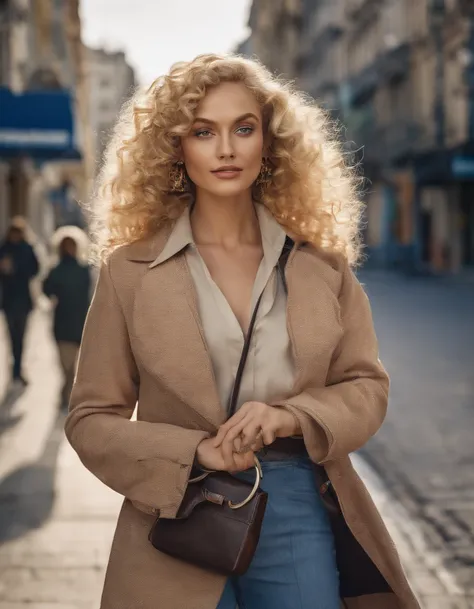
(169, 339)
(312, 318)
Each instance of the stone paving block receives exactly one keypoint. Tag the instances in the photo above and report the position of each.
(441, 602)
(426, 584)
(41, 585)
(8, 605)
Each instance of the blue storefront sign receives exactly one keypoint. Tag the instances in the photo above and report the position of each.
(463, 167)
(38, 124)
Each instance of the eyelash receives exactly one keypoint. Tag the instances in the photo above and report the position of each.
(201, 132)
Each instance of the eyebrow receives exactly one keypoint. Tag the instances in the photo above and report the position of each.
(208, 121)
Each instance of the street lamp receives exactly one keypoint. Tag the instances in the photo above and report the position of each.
(437, 15)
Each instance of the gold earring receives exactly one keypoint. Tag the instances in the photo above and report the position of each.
(178, 178)
(265, 175)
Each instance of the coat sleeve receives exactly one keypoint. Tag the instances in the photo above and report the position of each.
(149, 463)
(341, 417)
(49, 285)
(28, 265)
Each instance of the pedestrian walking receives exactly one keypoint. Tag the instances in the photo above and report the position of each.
(68, 284)
(226, 310)
(18, 266)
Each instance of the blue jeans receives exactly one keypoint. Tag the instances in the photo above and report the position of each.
(294, 566)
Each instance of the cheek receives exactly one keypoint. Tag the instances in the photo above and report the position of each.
(196, 159)
(255, 155)
(193, 155)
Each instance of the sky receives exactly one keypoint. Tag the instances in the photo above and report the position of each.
(156, 33)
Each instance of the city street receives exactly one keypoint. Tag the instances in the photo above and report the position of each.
(424, 452)
(56, 520)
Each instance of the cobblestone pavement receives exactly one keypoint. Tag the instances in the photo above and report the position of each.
(57, 520)
(425, 450)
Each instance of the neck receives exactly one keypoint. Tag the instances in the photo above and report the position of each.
(226, 222)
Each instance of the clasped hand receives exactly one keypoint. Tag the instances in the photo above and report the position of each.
(253, 426)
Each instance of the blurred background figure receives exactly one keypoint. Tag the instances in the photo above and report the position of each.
(69, 285)
(18, 265)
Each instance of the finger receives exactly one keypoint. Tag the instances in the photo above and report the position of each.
(235, 432)
(268, 436)
(238, 445)
(251, 432)
(228, 452)
(258, 445)
(223, 429)
(244, 461)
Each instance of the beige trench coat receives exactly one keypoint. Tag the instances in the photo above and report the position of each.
(143, 342)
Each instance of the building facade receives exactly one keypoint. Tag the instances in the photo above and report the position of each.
(275, 26)
(400, 76)
(111, 82)
(41, 63)
(407, 102)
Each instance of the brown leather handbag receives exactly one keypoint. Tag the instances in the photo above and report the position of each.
(219, 521)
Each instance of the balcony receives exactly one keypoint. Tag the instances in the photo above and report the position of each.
(399, 140)
(394, 64)
(362, 10)
(318, 76)
(323, 28)
(391, 65)
(382, 145)
(363, 85)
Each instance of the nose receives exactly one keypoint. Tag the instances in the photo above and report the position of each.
(225, 149)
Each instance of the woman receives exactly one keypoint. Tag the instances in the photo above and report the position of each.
(18, 266)
(216, 165)
(68, 283)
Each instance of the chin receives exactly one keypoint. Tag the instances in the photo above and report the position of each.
(229, 189)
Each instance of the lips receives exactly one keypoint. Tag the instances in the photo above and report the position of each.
(227, 169)
(227, 172)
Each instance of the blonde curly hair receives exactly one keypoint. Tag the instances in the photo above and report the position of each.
(312, 192)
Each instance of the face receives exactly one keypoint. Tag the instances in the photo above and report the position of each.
(15, 235)
(68, 247)
(223, 151)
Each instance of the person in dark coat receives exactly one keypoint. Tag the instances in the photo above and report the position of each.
(18, 265)
(69, 285)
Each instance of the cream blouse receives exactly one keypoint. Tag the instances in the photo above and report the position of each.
(269, 372)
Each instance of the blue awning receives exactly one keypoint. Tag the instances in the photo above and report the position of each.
(38, 124)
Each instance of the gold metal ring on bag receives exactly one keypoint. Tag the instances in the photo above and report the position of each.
(237, 506)
(258, 478)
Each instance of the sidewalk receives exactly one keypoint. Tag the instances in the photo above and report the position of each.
(57, 520)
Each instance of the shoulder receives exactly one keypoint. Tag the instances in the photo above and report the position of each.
(27, 247)
(332, 267)
(55, 270)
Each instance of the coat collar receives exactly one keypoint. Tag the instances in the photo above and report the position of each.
(273, 236)
(174, 238)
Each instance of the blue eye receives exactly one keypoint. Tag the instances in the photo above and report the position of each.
(202, 132)
(245, 130)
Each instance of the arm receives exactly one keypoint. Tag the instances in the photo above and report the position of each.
(149, 463)
(49, 288)
(28, 265)
(340, 418)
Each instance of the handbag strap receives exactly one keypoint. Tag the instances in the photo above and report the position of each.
(287, 247)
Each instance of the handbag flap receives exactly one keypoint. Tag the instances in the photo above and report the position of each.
(218, 489)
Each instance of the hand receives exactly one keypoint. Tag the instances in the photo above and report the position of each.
(214, 458)
(6, 266)
(254, 423)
